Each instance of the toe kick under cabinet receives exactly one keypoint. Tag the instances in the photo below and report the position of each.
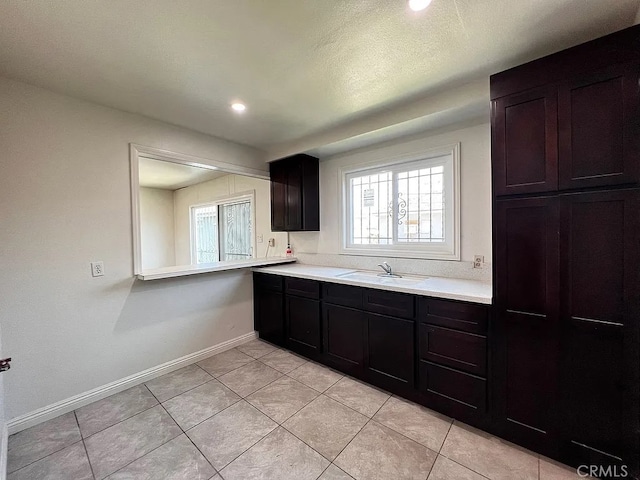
(429, 350)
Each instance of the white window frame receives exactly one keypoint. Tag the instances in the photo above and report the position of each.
(226, 200)
(450, 249)
(136, 151)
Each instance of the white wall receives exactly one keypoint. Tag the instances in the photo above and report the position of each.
(157, 228)
(475, 197)
(211, 190)
(65, 201)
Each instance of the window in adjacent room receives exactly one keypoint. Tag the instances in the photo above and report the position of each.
(405, 208)
(222, 230)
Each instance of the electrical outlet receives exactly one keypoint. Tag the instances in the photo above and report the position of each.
(260, 238)
(272, 242)
(478, 260)
(97, 269)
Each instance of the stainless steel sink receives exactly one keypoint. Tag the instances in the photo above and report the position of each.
(375, 278)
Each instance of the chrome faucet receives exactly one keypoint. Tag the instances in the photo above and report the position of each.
(386, 267)
(387, 270)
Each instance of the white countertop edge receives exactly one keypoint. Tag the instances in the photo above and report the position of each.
(183, 271)
(425, 291)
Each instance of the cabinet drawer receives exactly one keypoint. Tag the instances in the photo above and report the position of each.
(302, 287)
(455, 393)
(460, 316)
(389, 303)
(464, 351)
(267, 281)
(344, 295)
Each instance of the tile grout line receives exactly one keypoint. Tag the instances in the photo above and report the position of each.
(281, 425)
(278, 424)
(538, 467)
(369, 419)
(358, 432)
(118, 422)
(451, 459)
(177, 395)
(209, 418)
(349, 406)
(153, 449)
(189, 438)
(57, 451)
(444, 440)
(86, 452)
(462, 465)
(319, 393)
(124, 420)
(82, 438)
(252, 445)
(46, 456)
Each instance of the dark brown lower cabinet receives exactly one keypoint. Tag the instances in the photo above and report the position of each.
(566, 364)
(433, 351)
(600, 285)
(389, 353)
(344, 338)
(526, 327)
(268, 304)
(302, 324)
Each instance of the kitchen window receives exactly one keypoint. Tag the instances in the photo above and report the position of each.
(404, 207)
(222, 230)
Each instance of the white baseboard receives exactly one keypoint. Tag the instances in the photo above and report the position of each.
(4, 446)
(64, 406)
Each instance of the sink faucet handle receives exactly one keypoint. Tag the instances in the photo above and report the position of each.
(386, 267)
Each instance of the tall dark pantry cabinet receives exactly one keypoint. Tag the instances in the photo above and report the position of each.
(566, 215)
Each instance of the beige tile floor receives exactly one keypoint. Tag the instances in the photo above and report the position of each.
(259, 412)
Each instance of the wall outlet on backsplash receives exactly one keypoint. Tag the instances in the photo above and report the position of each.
(478, 261)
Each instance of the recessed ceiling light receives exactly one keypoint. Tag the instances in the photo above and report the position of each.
(238, 107)
(417, 5)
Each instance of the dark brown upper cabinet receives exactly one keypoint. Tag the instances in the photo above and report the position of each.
(295, 194)
(525, 142)
(569, 121)
(598, 128)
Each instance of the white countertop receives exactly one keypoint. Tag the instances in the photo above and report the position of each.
(441, 287)
(184, 270)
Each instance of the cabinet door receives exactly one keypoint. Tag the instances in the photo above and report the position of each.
(269, 315)
(293, 219)
(278, 176)
(599, 128)
(344, 338)
(525, 142)
(389, 356)
(303, 326)
(600, 242)
(526, 328)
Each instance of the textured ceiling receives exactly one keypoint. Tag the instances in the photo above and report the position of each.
(303, 67)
